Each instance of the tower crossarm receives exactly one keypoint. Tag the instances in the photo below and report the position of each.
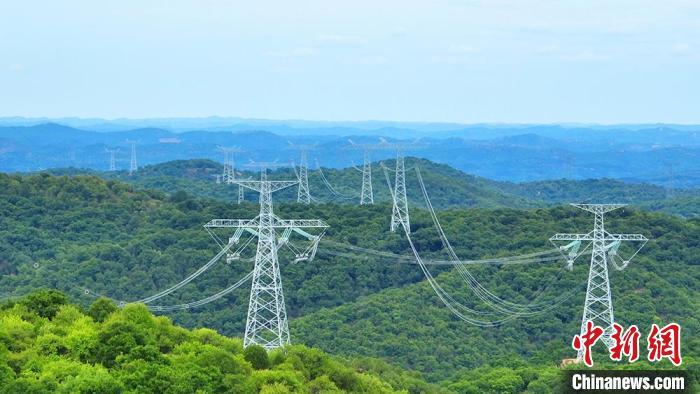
(232, 223)
(598, 208)
(274, 185)
(625, 237)
(299, 223)
(572, 237)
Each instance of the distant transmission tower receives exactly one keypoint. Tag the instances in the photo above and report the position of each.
(598, 307)
(112, 159)
(366, 194)
(267, 317)
(229, 175)
(241, 196)
(133, 165)
(303, 194)
(399, 211)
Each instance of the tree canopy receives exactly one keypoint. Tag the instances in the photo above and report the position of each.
(84, 233)
(132, 351)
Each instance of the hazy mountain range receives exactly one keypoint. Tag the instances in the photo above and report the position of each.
(661, 154)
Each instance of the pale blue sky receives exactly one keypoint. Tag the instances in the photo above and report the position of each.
(534, 61)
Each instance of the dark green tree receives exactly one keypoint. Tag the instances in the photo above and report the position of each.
(45, 302)
(257, 357)
(101, 309)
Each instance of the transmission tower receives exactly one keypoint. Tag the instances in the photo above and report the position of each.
(229, 175)
(399, 211)
(598, 307)
(303, 193)
(112, 159)
(267, 317)
(133, 165)
(366, 194)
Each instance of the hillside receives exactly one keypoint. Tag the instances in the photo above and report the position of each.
(411, 327)
(448, 186)
(452, 188)
(73, 233)
(50, 346)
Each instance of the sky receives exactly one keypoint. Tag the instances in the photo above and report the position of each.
(471, 61)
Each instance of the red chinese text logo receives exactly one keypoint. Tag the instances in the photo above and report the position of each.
(625, 344)
(665, 343)
(584, 342)
(662, 343)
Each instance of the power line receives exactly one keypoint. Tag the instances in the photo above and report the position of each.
(330, 187)
(490, 299)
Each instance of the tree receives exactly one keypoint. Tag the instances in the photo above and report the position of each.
(45, 302)
(101, 308)
(257, 357)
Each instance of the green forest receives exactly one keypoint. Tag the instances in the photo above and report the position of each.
(375, 314)
(450, 188)
(48, 345)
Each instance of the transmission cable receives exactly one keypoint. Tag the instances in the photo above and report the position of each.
(203, 301)
(482, 293)
(550, 255)
(329, 186)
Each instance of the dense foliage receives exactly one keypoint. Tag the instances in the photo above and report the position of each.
(50, 346)
(81, 232)
(76, 232)
(449, 187)
(453, 188)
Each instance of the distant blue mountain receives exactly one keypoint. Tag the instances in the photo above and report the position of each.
(661, 155)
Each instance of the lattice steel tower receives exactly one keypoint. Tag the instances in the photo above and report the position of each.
(112, 159)
(267, 317)
(303, 192)
(598, 307)
(228, 176)
(366, 196)
(133, 165)
(303, 195)
(399, 211)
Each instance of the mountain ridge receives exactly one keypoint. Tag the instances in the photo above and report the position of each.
(527, 153)
(448, 187)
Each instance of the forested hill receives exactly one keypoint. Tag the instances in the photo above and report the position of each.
(48, 345)
(451, 187)
(78, 233)
(447, 186)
